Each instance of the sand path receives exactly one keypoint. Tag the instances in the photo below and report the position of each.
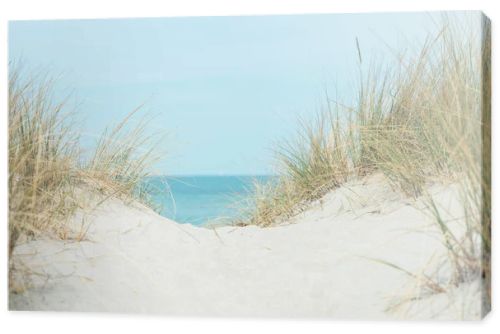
(324, 264)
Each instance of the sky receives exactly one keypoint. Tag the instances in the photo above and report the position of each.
(225, 90)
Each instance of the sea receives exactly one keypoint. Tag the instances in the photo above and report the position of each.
(203, 200)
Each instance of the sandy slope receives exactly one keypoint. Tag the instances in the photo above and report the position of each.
(324, 264)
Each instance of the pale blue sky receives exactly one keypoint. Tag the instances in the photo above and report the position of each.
(225, 88)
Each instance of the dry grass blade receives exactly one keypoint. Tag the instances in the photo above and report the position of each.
(433, 286)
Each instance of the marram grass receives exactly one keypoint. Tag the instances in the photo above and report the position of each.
(420, 121)
(47, 168)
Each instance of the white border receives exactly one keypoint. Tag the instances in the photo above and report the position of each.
(112, 323)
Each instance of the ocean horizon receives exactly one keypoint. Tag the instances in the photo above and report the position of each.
(202, 199)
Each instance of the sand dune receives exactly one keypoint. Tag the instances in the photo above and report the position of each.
(329, 261)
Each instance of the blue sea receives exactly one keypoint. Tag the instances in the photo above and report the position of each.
(199, 200)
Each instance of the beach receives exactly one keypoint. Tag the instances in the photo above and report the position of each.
(237, 190)
(329, 261)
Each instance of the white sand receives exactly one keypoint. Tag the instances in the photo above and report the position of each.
(324, 264)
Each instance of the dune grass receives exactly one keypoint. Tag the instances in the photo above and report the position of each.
(42, 158)
(122, 160)
(48, 169)
(423, 120)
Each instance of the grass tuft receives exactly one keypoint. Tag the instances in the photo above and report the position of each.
(43, 152)
(422, 121)
(47, 167)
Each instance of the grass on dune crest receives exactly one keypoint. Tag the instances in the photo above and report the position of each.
(47, 166)
(317, 161)
(122, 160)
(42, 158)
(424, 120)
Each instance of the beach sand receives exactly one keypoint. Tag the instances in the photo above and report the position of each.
(329, 261)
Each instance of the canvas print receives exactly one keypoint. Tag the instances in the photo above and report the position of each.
(306, 166)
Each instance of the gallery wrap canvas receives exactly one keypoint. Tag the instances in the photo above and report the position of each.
(298, 166)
